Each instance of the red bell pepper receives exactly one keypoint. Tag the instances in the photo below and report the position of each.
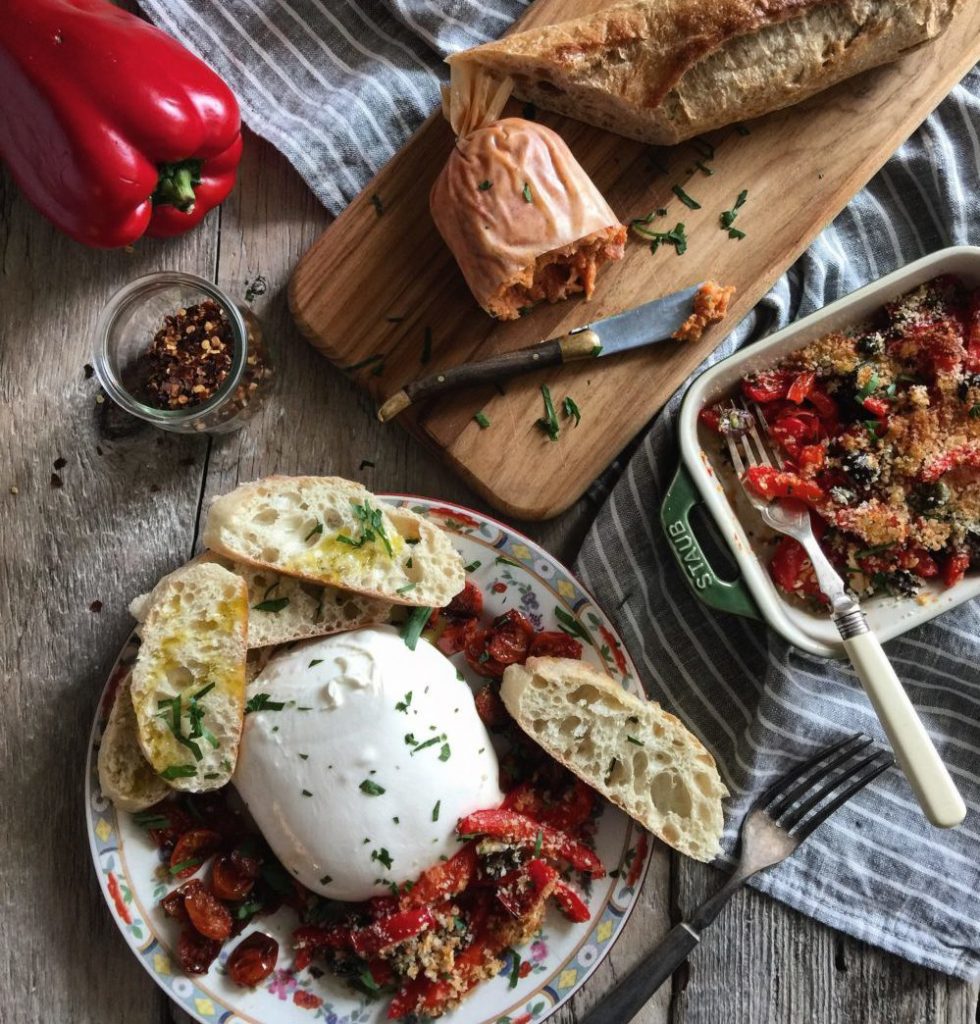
(512, 827)
(109, 127)
(772, 483)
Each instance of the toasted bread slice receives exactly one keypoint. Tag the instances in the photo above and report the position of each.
(630, 750)
(125, 776)
(282, 609)
(333, 532)
(189, 677)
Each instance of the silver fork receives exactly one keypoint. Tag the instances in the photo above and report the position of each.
(780, 819)
(917, 756)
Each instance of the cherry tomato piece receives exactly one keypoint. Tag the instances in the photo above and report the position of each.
(253, 960)
(195, 952)
(490, 707)
(801, 386)
(552, 643)
(207, 913)
(773, 483)
(467, 604)
(228, 882)
(192, 849)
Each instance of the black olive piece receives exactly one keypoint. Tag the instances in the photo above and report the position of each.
(860, 467)
(903, 582)
(870, 345)
(927, 497)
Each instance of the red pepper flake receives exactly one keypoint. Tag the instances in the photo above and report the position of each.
(307, 1000)
(189, 358)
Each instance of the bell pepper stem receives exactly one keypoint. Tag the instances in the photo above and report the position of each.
(175, 186)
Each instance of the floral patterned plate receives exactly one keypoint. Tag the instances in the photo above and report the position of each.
(512, 571)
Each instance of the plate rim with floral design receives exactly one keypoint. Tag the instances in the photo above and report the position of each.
(552, 986)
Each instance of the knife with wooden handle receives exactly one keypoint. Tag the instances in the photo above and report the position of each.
(645, 325)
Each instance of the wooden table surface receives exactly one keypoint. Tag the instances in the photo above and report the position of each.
(95, 508)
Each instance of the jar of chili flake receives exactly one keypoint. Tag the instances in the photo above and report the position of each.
(177, 351)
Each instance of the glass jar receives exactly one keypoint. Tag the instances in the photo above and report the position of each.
(128, 328)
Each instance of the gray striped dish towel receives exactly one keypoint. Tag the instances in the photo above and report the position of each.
(338, 85)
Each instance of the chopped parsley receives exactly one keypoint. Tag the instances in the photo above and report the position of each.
(435, 810)
(192, 862)
(445, 753)
(326, 880)
(304, 757)
(526, 192)
(405, 702)
(635, 741)
(406, 588)
(383, 857)
(571, 410)
(869, 388)
(371, 525)
(275, 604)
(485, 186)
(151, 820)
(315, 661)
(472, 567)
(371, 788)
(315, 532)
(414, 625)
(727, 218)
(704, 148)
(675, 237)
(549, 422)
(515, 970)
(306, 792)
(538, 840)
(482, 418)
(429, 743)
(691, 204)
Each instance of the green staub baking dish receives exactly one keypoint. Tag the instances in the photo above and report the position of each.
(703, 478)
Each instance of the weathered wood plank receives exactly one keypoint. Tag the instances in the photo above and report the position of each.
(762, 963)
(99, 527)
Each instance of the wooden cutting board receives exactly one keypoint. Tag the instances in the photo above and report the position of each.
(379, 292)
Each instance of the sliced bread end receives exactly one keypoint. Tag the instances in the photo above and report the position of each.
(323, 530)
(188, 684)
(125, 776)
(630, 750)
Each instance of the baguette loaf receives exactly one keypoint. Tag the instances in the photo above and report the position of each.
(188, 684)
(282, 609)
(630, 750)
(125, 776)
(661, 71)
(333, 532)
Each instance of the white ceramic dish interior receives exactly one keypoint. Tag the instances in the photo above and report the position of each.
(750, 542)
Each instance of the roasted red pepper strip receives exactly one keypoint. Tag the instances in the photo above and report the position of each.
(109, 126)
(572, 905)
(512, 827)
(443, 880)
(801, 386)
(369, 941)
(773, 483)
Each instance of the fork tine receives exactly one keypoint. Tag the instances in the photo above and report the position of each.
(765, 455)
(820, 793)
(825, 812)
(793, 774)
(767, 433)
(859, 743)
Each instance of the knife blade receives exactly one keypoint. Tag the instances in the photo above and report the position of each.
(647, 324)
